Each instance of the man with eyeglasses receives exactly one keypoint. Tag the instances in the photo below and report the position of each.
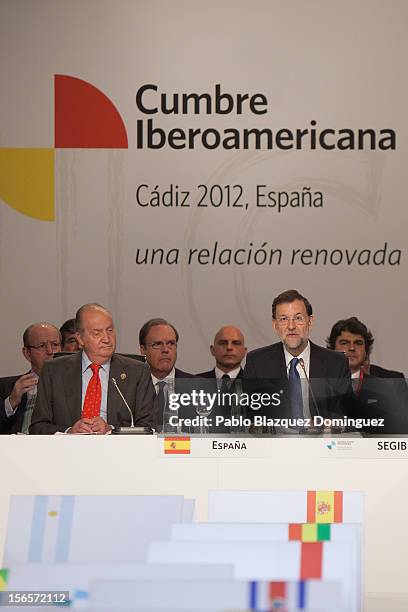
(158, 342)
(312, 381)
(40, 342)
(83, 393)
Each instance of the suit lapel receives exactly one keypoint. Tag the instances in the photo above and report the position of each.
(316, 366)
(277, 365)
(116, 405)
(316, 374)
(72, 380)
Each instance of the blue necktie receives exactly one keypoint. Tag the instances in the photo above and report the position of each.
(295, 390)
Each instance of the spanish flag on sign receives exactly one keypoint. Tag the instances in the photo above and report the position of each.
(324, 507)
(177, 445)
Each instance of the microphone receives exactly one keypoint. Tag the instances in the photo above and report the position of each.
(132, 429)
(333, 429)
(312, 395)
(132, 423)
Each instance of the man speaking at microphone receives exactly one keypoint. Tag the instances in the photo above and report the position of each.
(77, 395)
(313, 381)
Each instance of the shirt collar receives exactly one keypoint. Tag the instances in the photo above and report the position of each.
(305, 355)
(86, 362)
(170, 377)
(233, 374)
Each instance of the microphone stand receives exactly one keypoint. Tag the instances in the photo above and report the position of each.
(132, 429)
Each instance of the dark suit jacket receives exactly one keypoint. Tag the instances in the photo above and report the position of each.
(211, 374)
(396, 387)
(59, 396)
(376, 370)
(13, 424)
(182, 384)
(180, 374)
(329, 376)
(214, 388)
(384, 394)
(383, 397)
(224, 409)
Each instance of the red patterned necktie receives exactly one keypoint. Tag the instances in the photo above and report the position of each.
(93, 395)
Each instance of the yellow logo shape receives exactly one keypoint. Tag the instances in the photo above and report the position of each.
(27, 181)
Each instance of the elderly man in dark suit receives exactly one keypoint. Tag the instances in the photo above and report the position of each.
(18, 393)
(76, 394)
(312, 381)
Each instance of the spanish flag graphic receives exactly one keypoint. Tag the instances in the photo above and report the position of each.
(174, 445)
(324, 507)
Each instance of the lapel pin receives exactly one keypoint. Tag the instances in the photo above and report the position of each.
(123, 376)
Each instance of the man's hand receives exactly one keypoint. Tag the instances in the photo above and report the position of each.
(25, 383)
(90, 426)
(83, 426)
(99, 426)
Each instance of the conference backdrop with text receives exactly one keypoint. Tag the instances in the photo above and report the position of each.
(191, 160)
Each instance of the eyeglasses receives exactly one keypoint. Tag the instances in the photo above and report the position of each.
(43, 347)
(297, 320)
(158, 346)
